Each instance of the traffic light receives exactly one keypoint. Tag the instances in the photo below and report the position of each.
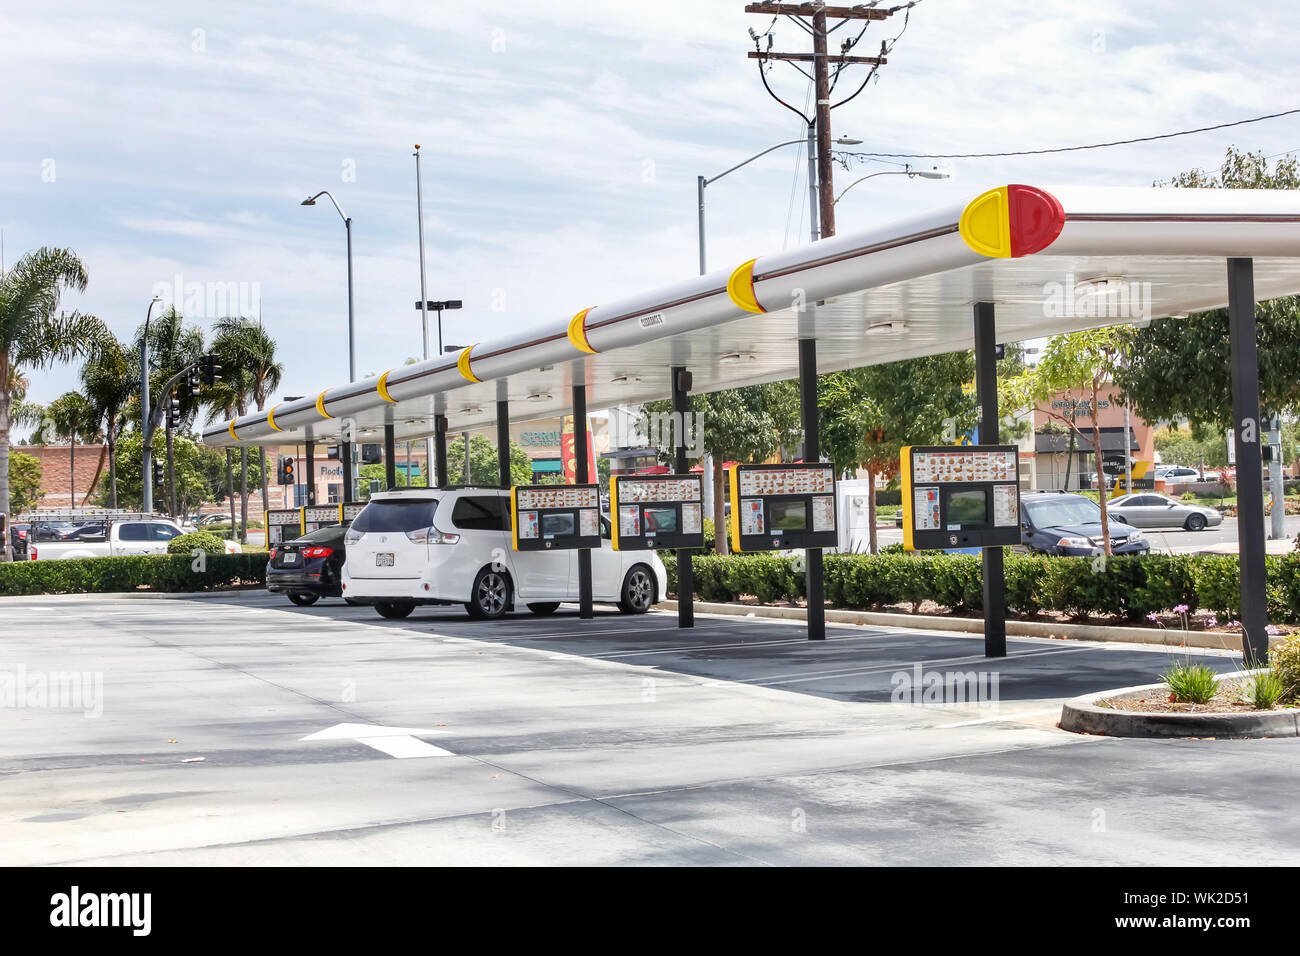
(284, 470)
(159, 472)
(173, 412)
(192, 381)
(209, 370)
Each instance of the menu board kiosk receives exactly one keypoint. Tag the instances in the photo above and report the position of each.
(283, 524)
(960, 496)
(782, 506)
(555, 516)
(656, 511)
(351, 509)
(315, 517)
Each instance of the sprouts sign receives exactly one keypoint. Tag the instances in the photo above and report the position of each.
(960, 496)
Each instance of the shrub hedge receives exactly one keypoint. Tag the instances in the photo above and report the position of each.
(196, 540)
(1125, 586)
(154, 572)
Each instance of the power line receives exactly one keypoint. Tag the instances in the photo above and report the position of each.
(1069, 149)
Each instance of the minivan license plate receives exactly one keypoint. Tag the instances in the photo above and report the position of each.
(383, 560)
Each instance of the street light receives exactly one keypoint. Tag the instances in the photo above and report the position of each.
(438, 307)
(811, 142)
(908, 172)
(145, 430)
(346, 450)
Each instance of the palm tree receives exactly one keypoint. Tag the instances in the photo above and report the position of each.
(244, 345)
(173, 345)
(110, 379)
(73, 416)
(35, 335)
(226, 399)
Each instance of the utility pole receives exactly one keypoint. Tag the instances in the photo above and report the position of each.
(822, 88)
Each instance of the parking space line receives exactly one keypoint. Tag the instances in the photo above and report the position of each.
(902, 665)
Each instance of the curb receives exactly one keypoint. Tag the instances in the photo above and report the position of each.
(1082, 716)
(131, 595)
(1081, 632)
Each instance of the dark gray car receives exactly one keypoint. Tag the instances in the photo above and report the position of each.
(1151, 510)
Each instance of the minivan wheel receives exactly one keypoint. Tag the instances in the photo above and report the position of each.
(394, 610)
(638, 593)
(543, 608)
(1196, 522)
(304, 600)
(490, 598)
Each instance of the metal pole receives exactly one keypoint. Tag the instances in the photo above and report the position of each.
(822, 110)
(1128, 442)
(171, 472)
(685, 572)
(465, 438)
(700, 183)
(811, 455)
(408, 464)
(986, 392)
(439, 308)
(440, 450)
(813, 218)
(390, 458)
(424, 298)
(1250, 479)
(503, 443)
(582, 477)
(345, 451)
(310, 476)
(145, 431)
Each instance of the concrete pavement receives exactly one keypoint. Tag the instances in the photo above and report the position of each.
(619, 740)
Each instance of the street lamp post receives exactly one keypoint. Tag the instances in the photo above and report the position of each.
(147, 474)
(346, 449)
(908, 172)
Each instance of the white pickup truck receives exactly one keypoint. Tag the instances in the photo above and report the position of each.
(125, 537)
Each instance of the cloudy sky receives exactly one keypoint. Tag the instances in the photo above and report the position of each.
(561, 142)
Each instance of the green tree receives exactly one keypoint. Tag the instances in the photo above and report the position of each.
(369, 473)
(483, 465)
(192, 488)
(242, 343)
(74, 418)
(1177, 368)
(110, 381)
(1087, 362)
(24, 481)
(34, 336)
(869, 414)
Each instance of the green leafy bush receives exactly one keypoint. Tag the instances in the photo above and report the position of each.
(1284, 661)
(153, 572)
(196, 541)
(1191, 683)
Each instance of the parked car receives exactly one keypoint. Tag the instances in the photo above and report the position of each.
(18, 537)
(1150, 510)
(49, 530)
(126, 537)
(453, 546)
(83, 533)
(1066, 524)
(1177, 475)
(310, 567)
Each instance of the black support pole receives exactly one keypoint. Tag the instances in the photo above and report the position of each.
(582, 477)
(311, 473)
(1246, 432)
(440, 452)
(986, 393)
(811, 455)
(503, 443)
(390, 458)
(345, 452)
(685, 573)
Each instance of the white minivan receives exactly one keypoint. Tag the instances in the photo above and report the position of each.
(453, 546)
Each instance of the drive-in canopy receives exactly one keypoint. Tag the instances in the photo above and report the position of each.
(1050, 259)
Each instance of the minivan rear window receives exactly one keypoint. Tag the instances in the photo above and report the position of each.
(410, 514)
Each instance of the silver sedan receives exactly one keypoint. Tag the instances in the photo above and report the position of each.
(1150, 510)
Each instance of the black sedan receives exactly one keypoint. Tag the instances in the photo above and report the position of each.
(307, 569)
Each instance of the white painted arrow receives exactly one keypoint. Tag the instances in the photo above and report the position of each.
(394, 741)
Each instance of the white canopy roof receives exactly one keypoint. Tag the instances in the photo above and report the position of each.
(1050, 259)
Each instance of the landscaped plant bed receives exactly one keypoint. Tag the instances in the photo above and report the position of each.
(1148, 711)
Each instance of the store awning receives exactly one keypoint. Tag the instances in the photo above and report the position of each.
(1049, 259)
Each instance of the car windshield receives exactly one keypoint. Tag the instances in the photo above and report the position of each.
(1065, 510)
(395, 515)
(333, 534)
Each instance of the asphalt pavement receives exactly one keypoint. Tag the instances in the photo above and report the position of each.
(241, 730)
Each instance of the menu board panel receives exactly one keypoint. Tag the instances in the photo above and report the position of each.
(782, 506)
(960, 496)
(656, 511)
(283, 524)
(555, 517)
